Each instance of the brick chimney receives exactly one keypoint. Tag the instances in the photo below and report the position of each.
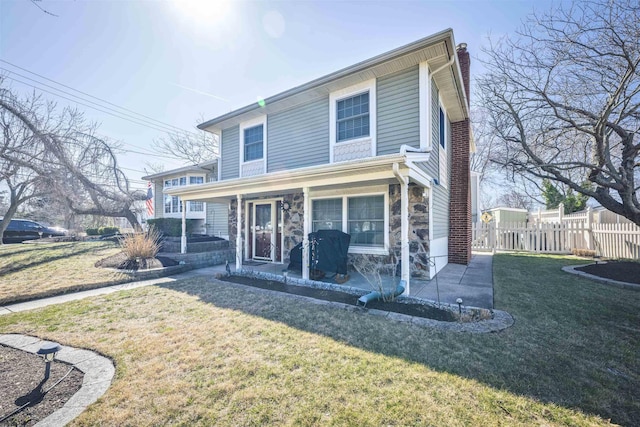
(460, 197)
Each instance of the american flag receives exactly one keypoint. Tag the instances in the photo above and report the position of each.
(149, 200)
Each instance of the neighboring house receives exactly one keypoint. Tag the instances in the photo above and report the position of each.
(210, 218)
(503, 215)
(379, 150)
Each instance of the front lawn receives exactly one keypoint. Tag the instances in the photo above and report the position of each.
(33, 270)
(202, 352)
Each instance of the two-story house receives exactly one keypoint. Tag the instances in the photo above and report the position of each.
(209, 218)
(379, 150)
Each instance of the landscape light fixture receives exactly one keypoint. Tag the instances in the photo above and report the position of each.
(48, 352)
(459, 302)
(285, 273)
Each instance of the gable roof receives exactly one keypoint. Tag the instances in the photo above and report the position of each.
(439, 50)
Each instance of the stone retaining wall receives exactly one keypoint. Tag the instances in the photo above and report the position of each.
(171, 246)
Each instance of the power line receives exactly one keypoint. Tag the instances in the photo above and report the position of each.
(132, 120)
(87, 94)
(129, 119)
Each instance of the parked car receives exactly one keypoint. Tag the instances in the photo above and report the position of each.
(20, 230)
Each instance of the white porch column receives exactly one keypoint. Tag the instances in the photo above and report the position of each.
(404, 227)
(239, 233)
(183, 239)
(306, 229)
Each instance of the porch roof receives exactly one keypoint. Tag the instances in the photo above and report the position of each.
(370, 171)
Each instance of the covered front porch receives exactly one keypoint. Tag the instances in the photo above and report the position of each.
(269, 214)
(472, 283)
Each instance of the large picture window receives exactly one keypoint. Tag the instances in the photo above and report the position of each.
(352, 117)
(253, 143)
(363, 217)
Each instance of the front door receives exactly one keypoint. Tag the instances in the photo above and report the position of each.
(263, 246)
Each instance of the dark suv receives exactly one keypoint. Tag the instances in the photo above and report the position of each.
(20, 230)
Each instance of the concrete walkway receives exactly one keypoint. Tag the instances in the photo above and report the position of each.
(472, 283)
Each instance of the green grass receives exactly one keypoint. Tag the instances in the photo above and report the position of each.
(38, 270)
(201, 352)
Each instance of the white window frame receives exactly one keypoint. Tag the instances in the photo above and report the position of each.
(262, 120)
(443, 152)
(359, 192)
(334, 97)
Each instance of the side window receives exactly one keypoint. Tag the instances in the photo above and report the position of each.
(442, 130)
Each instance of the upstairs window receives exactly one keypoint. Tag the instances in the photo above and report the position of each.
(352, 117)
(442, 129)
(253, 143)
(196, 180)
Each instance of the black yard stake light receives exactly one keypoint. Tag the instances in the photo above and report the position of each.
(459, 302)
(48, 351)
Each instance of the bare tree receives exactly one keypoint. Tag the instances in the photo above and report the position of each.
(65, 158)
(564, 100)
(193, 147)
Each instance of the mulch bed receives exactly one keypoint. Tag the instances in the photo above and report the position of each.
(624, 271)
(418, 310)
(21, 375)
(121, 262)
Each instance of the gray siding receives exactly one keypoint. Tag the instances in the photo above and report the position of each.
(158, 198)
(298, 137)
(217, 221)
(230, 153)
(440, 193)
(440, 212)
(431, 167)
(398, 111)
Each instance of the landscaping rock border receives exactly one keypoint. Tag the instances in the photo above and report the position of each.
(98, 373)
(500, 319)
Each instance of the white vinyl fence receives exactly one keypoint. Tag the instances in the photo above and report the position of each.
(608, 240)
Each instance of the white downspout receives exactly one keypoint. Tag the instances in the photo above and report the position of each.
(239, 233)
(443, 66)
(183, 239)
(306, 229)
(404, 226)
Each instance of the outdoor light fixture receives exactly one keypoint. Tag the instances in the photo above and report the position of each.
(48, 352)
(459, 302)
(285, 273)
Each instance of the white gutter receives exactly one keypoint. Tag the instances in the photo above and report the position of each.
(404, 225)
(442, 67)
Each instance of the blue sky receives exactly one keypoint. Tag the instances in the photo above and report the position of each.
(175, 61)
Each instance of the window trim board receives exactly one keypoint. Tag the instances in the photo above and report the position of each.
(334, 97)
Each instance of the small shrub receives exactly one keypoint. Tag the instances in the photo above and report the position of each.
(379, 272)
(583, 252)
(108, 230)
(101, 231)
(141, 245)
(171, 226)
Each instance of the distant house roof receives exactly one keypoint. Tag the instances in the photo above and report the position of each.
(438, 50)
(203, 167)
